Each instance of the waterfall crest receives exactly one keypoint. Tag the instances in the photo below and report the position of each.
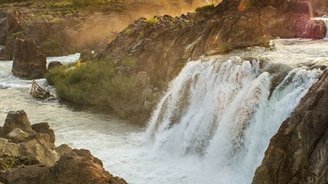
(225, 114)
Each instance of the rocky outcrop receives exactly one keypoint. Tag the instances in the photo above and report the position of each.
(19, 139)
(162, 45)
(315, 29)
(298, 153)
(28, 156)
(17, 119)
(28, 61)
(75, 167)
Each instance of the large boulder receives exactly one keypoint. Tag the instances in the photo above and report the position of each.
(17, 119)
(315, 29)
(75, 167)
(29, 62)
(298, 153)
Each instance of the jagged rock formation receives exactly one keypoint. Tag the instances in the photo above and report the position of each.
(19, 138)
(29, 62)
(28, 156)
(298, 153)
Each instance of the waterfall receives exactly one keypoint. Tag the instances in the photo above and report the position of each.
(224, 114)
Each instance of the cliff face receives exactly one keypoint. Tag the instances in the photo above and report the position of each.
(298, 153)
(162, 45)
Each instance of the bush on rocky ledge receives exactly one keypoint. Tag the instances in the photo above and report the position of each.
(105, 87)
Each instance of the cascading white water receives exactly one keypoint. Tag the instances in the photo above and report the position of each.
(224, 114)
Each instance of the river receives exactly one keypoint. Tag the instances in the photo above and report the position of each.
(173, 155)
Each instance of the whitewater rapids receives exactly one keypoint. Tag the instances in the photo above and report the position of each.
(225, 113)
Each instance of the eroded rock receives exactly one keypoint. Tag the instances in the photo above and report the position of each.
(28, 61)
(17, 119)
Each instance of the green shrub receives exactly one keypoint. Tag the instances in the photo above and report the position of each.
(99, 84)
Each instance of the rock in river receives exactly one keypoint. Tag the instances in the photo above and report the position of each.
(29, 62)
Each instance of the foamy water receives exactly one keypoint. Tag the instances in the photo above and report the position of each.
(8, 80)
(223, 118)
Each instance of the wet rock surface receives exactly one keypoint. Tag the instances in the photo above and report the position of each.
(298, 153)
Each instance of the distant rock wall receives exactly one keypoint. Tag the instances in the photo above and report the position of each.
(298, 153)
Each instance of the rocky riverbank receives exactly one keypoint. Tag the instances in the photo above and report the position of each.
(28, 155)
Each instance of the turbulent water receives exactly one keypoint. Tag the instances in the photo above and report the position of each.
(225, 113)
(212, 125)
